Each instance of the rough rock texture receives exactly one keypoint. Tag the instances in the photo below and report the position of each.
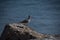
(18, 31)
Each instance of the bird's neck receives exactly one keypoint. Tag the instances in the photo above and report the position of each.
(29, 20)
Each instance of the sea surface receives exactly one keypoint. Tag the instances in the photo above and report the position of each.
(45, 14)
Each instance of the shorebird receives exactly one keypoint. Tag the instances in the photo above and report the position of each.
(26, 21)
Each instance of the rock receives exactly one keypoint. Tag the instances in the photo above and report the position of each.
(18, 31)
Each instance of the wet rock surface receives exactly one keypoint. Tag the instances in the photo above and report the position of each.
(18, 31)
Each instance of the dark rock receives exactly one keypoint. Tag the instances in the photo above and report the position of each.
(18, 31)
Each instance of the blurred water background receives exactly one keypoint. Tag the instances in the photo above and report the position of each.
(45, 14)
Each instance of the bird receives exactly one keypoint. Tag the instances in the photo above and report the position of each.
(26, 21)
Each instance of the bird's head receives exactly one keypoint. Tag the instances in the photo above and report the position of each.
(29, 17)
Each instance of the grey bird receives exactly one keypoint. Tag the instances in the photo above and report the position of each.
(26, 21)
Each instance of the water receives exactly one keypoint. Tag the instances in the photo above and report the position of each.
(45, 14)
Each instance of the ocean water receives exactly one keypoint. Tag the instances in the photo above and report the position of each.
(45, 14)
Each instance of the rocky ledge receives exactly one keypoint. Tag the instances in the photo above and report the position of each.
(18, 31)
